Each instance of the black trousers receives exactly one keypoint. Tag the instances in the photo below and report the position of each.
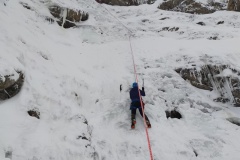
(133, 111)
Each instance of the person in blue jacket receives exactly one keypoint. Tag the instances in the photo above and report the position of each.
(136, 104)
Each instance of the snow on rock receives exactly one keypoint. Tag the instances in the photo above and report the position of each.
(192, 6)
(234, 120)
(11, 81)
(126, 2)
(234, 5)
(10, 87)
(222, 79)
(67, 17)
(6, 70)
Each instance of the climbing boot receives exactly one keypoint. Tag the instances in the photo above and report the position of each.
(133, 121)
(133, 124)
(148, 124)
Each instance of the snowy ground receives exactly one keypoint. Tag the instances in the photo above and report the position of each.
(73, 77)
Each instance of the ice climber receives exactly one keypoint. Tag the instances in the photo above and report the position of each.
(136, 104)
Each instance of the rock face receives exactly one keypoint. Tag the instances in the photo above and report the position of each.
(234, 120)
(190, 6)
(10, 87)
(234, 5)
(126, 2)
(68, 17)
(222, 79)
(173, 114)
(34, 113)
(119, 2)
(201, 23)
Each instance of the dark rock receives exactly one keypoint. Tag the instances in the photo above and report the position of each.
(234, 120)
(168, 114)
(145, 20)
(197, 8)
(173, 114)
(119, 2)
(165, 28)
(162, 90)
(178, 70)
(49, 19)
(97, 100)
(174, 29)
(201, 86)
(218, 6)
(71, 18)
(237, 104)
(209, 76)
(164, 18)
(221, 99)
(85, 122)
(8, 154)
(213, 38)
(193, 77)
(220, 22)
(25, 5)
(234, 82)
(187, 6)
(234, 5)
(34, 113)
(82, 137)
(204, 110)
(125, 2)
(170, 29)
(236, 95)
(44, 57)
(10, 87)
(201, 23)
(195, 152)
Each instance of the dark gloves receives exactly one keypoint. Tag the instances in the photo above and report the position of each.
(142, 88)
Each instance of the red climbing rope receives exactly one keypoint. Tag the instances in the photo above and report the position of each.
(136, 80)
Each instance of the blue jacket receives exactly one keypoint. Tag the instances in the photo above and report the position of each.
(134, 95)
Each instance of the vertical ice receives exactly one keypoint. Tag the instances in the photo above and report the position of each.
(64, 16)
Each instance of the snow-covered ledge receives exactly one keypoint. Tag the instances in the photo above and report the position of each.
(11, 82)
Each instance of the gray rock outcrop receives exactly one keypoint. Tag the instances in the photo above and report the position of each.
(190, 6)
(10, 87)
(213, 78)
(126, 2)
(72, 16)
(234, 5)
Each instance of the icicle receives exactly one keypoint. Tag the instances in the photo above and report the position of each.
(204, 75)
(212, 82)
(230, 80)
(81, 15)
(193, 74)
(217, 83)
(7, 93)
(64, 16)
(225, 94)
(199, 77)
(229, 91)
